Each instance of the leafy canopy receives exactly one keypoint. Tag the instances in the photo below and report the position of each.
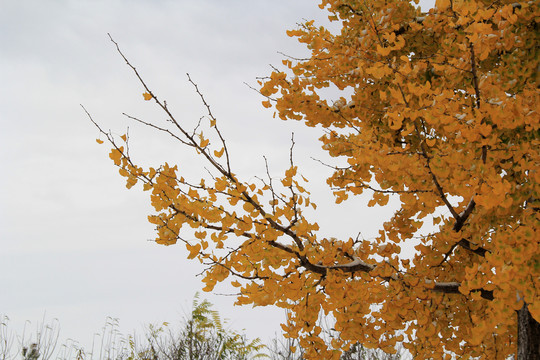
(438, 110)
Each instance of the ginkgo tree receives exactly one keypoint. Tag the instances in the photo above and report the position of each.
(436, 109)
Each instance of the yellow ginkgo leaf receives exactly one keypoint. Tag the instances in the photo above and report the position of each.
(99, 141)
(219, 153)
(485, 130)
(204, 143)
(383, 51)
(193, 250)
(116, 155)
(147, 96)
(396, 124)
(431, 142)
(124, 137)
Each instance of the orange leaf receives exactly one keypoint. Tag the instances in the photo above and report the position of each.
(431, 142)
(116, 155)
(383, 51)
(193, 250)
(219, 153)
(147, 96)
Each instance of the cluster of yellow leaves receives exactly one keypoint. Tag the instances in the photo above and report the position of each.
(443, 115)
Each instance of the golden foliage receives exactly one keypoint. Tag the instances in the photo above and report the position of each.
(442, 115)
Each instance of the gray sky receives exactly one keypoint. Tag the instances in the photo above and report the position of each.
(73, 240)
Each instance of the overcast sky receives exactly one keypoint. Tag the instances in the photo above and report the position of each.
(73, 240)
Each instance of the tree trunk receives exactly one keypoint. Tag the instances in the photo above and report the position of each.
(528, 336)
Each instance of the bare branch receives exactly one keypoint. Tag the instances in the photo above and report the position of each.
(164, 107)
(270, 185)
(434, 178)
(158, 128)
(466, 244)
(463, 216)
(214, 122)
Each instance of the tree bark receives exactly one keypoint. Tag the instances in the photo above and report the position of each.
(528, 336)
